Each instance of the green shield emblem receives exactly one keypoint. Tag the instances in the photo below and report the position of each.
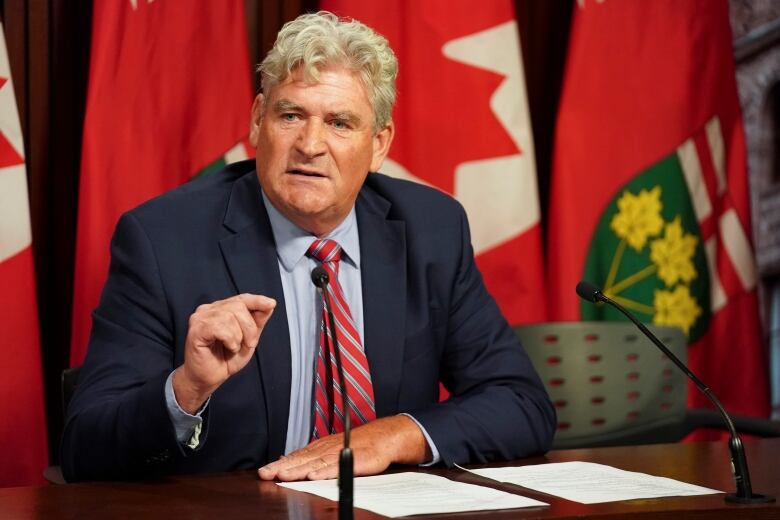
(647, 253)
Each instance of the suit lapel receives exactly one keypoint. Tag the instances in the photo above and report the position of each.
(383, 271)
(250, 254)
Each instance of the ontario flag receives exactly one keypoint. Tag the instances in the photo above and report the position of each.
(649, 190)
(169, 97)
(463, 126)
(23, 448)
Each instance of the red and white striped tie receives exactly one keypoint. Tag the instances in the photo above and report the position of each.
(328, 416)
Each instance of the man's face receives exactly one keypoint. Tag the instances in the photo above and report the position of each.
(315, 146)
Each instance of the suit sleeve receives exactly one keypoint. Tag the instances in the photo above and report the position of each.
(498, 407)
(117, 424)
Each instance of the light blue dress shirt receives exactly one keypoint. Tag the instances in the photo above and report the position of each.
(302, 302)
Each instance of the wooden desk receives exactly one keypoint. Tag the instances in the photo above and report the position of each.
(242, 495)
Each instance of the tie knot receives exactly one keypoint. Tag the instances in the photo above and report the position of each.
(326, 251)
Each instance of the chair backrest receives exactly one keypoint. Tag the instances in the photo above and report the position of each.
(609, 383)
(68, 384)
(69, 379)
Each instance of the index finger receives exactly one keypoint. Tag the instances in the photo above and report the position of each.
(257, 302)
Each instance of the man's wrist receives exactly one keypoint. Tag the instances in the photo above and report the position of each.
(189, 396)
(411, 446)
(432, 453)
(188, 426)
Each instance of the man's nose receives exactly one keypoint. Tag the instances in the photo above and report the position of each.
(311, 140)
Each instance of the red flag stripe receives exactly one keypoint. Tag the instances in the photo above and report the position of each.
(167, 128)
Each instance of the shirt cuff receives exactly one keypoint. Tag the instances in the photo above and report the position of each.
(435, 458)
(187, 426)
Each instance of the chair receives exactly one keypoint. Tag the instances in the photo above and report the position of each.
(611, 386)
(68, 383)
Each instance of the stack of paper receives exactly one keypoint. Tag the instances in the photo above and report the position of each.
(404, 494)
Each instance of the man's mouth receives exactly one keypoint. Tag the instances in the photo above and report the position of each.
(306, 172)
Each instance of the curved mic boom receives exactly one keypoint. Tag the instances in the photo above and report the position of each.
(744, 495)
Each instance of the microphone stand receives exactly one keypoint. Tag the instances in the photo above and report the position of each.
(739, 465)
(346, 464)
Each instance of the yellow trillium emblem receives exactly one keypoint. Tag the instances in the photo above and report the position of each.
(639, 217)
(676, 308)
(673, 254)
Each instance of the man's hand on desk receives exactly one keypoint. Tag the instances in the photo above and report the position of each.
(375, 446)
(221, 340)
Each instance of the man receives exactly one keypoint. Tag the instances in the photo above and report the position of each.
(205, 353)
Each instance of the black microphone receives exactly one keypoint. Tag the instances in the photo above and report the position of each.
(739, 466)
(320, 278)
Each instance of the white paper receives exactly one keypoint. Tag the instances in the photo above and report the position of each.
(591, 483)
(404, 494)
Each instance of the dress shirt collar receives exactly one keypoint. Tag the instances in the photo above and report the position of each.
(292, 242)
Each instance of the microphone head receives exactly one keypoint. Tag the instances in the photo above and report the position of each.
(588, 291)
(319, 277)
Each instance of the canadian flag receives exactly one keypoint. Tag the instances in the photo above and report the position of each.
(463, 126)
(23, 449)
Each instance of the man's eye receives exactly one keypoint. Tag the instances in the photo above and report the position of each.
(338, 124)
(289, 116)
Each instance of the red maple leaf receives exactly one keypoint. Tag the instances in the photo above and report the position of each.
(442, 114)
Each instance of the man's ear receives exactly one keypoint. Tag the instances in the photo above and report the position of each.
(382, 141)
(256, 120)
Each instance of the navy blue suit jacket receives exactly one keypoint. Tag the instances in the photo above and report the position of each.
(427, 318)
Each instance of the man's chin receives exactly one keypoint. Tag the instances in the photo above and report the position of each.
(318, 219)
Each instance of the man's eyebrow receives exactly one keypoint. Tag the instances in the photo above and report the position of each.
(346, 115)
(284, 105)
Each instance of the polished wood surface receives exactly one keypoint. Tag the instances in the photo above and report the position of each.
(242, 495)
